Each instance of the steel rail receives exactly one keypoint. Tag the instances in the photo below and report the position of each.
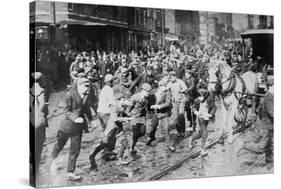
(258, 161)
(191, 155)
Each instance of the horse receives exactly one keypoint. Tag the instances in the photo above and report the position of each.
(231, 89)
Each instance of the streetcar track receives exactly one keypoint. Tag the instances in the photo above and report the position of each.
(256, 164)
(191, 155)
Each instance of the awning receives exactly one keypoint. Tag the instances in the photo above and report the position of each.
(257, 32)
(80, 22)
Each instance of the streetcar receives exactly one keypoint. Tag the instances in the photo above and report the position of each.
(261, 44)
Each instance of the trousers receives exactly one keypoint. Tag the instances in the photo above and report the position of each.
(155, 122)
(177, 117)
(75, 146)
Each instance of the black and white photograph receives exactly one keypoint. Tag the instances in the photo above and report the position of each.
(122, 94)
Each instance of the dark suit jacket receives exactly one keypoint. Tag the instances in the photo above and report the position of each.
(75, 107)
(164, 100)
(191, 88)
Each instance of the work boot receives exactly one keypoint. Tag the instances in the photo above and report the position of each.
(93, 163)
(71, 176)
(150, 141)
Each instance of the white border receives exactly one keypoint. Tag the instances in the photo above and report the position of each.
(14, 92)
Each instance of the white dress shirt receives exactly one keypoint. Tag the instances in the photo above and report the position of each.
(106, 99)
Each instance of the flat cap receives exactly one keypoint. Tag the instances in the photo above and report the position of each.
(147, 87)
(172, 73)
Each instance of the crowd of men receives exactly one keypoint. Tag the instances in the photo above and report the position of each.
(122, 89)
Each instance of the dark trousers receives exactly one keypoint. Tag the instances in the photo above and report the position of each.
(40, 135)
(203, 132)
(107, 144)
(75, 145)
(177, 116)
(154, 125)
(180, 124)
(36, 142)
(138, 131)
(191, 117)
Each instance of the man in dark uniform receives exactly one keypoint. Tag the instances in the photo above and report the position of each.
(137, 110)
(77, 111)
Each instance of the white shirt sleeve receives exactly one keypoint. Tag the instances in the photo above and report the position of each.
(183, 86)
(110, 96)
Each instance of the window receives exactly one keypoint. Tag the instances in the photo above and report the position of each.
(70, 6)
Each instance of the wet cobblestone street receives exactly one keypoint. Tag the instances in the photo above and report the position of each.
(222, 160)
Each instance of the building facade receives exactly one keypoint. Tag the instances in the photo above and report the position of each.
(216, 27)
(98, 26)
